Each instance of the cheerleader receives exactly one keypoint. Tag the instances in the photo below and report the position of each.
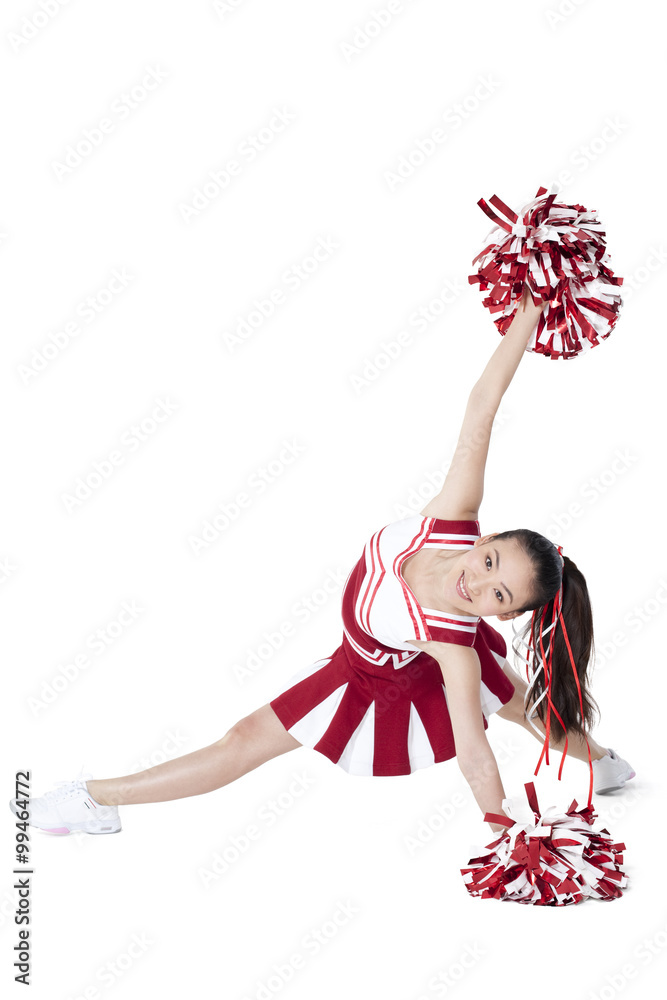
(419, 669)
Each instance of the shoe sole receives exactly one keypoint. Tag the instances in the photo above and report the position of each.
(613, 788)
(61, 831)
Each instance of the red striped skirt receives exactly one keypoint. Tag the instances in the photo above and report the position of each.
(384, 724)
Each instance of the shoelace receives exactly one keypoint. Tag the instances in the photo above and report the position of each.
(69, 791)
(68, 788)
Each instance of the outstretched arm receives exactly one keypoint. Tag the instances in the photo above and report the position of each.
(462, 673)
(461, 495)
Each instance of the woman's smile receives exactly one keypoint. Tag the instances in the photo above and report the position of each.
(461, 589)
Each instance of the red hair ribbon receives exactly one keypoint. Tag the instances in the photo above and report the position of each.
(557, 617)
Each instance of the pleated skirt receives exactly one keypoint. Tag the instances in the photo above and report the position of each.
(381, 724)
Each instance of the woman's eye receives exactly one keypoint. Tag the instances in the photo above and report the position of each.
(499, 595)
(488, 560)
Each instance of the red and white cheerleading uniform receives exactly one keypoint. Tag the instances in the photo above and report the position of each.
(377, 705)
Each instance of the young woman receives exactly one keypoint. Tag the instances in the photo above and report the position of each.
(419, 669)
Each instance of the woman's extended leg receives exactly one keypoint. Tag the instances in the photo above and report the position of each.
(252, 741)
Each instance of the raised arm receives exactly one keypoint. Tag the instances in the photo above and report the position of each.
(461, 495)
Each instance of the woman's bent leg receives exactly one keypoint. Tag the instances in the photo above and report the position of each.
(513, 711)
(254, 739)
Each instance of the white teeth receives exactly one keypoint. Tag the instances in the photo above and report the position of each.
(464, 591)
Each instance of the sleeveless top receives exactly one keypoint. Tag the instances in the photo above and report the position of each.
(380, 612)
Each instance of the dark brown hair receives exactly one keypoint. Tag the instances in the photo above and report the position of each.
(578, 616)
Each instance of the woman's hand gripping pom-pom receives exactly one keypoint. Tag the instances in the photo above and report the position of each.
(550, 860)
(559, 251)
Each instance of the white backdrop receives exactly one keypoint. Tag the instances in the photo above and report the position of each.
(211, 270)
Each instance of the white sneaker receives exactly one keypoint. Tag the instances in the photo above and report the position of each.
(610, 772)
(69, 808)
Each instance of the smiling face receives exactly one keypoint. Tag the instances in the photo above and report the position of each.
(491, 578)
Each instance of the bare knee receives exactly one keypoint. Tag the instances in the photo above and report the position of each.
(261, 730)
(242, 730)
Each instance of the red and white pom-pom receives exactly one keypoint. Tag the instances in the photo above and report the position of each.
(559, 251)
(549, 860)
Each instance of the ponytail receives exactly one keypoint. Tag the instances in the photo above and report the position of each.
(577, 614)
